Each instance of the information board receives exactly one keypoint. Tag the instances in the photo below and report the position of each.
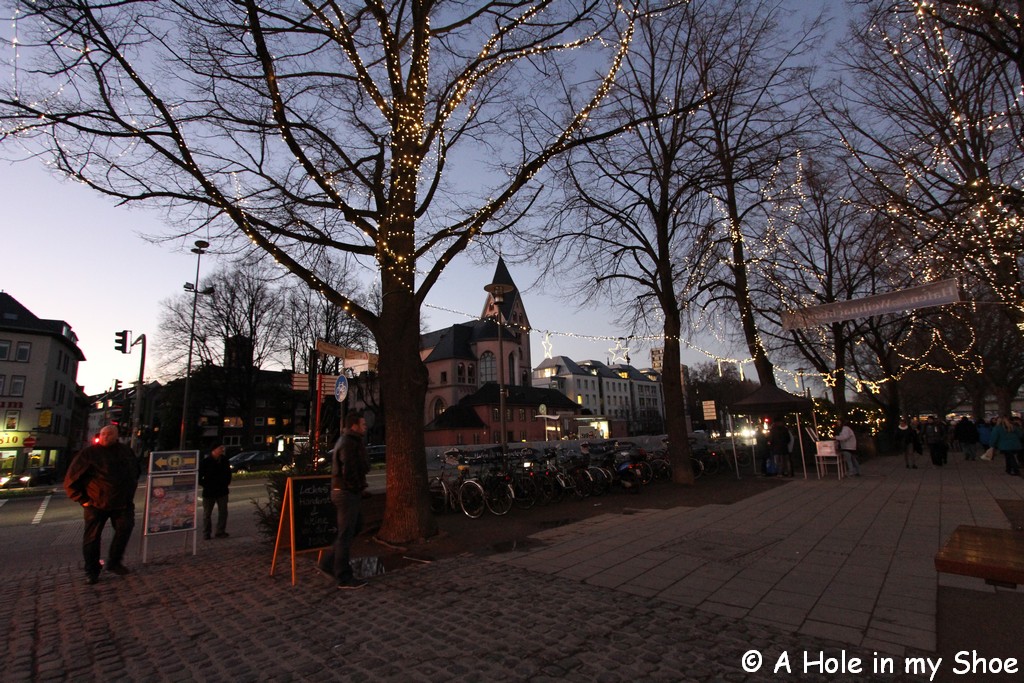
(308, 519)
(171, 503)
(171, 495)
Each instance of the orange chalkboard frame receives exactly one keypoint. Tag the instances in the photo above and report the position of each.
(308, 520)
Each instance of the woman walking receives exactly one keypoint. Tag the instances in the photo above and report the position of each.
(1006, 437)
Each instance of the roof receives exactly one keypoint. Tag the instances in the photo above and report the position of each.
(768, 399)
(16, 318)
(602, 369)
(520, 396)
(457, 416)
(451, 342)
(564, 366)
(631, 373)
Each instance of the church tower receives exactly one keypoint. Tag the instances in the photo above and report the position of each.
(515, 326)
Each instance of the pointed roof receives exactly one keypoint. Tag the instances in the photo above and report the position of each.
(503, 277)
(768, 399)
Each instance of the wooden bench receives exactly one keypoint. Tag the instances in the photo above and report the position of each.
(995, 555)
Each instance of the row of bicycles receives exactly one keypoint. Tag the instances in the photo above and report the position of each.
(482, 481)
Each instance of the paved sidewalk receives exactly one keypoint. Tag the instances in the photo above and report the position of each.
(812, 570)
(848, 560)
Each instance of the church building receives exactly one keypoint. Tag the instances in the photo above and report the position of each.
(463, 365)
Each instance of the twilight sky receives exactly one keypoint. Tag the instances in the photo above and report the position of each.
(71, 254)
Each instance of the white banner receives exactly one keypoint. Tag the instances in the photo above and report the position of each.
(931, 294)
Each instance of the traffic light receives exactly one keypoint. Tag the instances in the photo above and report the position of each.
(121, 341)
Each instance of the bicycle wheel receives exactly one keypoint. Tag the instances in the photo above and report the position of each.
(644, 472)
(499, 497)
(602, 479)
(712, 463)
(472, 499)
(525, 492)
(550, 491)
(439, 496)
(698, 468)
(583, 481)
(662, 469)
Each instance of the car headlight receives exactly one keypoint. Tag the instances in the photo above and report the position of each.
(26, 479)
(4, 480)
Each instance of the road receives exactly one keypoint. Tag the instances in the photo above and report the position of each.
(45, 532)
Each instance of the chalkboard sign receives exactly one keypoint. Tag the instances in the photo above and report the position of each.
(308, 519)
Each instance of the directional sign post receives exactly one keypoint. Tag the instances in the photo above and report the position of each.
(171, 496)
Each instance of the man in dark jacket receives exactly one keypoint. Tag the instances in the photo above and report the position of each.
(215, 478)
(102, 478)
(349, 466)
(967, 435)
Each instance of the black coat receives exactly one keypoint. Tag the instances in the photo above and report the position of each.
(214, 476)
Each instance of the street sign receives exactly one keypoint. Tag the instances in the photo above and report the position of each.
(341, 388)
(29, 442)
(709, 410)
(300, 382)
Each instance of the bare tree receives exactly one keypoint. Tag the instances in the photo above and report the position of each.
(624, 228)
(748, 137)
(933, 115)
(311, 129)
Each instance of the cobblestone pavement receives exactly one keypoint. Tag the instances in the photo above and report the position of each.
(813, 571)
(220, 616)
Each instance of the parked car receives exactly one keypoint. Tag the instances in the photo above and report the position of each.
(376, 454)
(253, 461)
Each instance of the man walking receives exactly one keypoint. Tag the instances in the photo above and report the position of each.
(349, 466)
(102, 478)
(215, 478)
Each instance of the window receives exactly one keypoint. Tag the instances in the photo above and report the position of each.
(24, 352)
(233, 422)
(11, 420)
(258, 421)
(522, 435)
(17, 385)
(488, 368)
(271, 421)
(5, 349)
(438, 408)
(3, 384)
(444, 377)
(232, 441)
(471, 376)
(257, 440)
(460, 373)
(522, 414)
(495, 415)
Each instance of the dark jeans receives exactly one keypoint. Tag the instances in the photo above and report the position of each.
(350, 520)
(221, 502)
(1012, 461)
(122, 521)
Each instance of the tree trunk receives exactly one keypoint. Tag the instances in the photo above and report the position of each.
(403, 382)
(675, 412)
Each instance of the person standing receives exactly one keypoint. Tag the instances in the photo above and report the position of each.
(909, 442)
(848, 445)
(349, 466)
(936, 435)
(103, 478)
(966, 435)
(1007, 438)
(779, 443)
(215, 478)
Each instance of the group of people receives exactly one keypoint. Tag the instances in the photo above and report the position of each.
(1004, 435)
(104, 477)
(780, 443)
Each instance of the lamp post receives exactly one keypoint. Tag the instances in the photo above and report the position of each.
(198, 250)
(498, 291)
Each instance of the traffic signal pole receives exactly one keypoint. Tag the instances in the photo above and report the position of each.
(137, 408)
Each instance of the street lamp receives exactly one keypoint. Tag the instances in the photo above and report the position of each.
(498, 290)
(198, 250)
